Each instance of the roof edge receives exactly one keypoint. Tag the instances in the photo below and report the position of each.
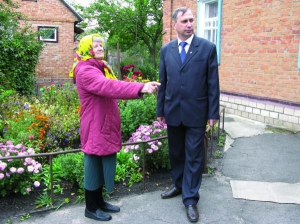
(72, 10)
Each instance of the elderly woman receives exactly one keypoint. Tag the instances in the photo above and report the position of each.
(100, 124)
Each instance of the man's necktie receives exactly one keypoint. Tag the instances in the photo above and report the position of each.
(182, 53)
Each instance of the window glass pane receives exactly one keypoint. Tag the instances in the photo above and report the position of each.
(211, 10)
(207, 34)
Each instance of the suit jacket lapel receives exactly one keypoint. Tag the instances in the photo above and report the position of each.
(175, 52)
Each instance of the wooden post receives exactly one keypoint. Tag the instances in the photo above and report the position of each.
(119, 62)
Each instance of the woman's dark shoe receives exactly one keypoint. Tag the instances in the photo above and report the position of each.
(98, 215)
(173, 192)
(110, 208)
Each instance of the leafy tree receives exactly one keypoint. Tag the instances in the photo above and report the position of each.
(19, 49)
(130, 23)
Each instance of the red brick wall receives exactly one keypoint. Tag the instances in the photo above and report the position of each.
(259, 46)
(259, 53)
(169, 7)
(56, 59)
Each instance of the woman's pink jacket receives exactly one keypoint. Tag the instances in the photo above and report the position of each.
(100, 122)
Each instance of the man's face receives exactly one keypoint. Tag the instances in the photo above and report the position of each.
(98, 49)
(184, 25)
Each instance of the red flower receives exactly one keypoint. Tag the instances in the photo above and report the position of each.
(128, 67)
(138, 73)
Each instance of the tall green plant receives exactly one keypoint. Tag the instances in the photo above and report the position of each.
(135, 113)
(19, 49)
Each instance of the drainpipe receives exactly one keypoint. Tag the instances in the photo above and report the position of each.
(220, 3)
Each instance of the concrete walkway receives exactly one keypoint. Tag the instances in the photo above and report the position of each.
(252, 153)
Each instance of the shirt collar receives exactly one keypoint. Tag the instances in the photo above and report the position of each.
(189, 40)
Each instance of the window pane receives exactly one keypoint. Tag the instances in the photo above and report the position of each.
(211, 10)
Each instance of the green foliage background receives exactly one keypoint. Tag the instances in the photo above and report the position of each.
(19, 49)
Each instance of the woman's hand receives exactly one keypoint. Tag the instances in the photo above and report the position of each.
(150, 87)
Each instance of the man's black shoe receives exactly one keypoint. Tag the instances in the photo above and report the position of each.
(110, 208)
(192, 213)
(173, 192)
(98, 215)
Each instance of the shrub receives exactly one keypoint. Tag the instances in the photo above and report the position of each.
(65, 167)
(19, 49)
(63, 108)
(149, 72)
(135, 113)
(17, 175)
(127, 169)
(157, 154)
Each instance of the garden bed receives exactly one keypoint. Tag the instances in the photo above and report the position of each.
(16, 206)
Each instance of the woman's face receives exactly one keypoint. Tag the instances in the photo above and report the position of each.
(98, 49)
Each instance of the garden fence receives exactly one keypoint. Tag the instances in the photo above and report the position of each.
(208, 147)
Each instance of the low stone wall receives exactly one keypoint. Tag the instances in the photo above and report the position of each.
(275, 114)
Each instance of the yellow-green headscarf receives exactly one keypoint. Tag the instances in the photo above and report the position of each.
(85, 52)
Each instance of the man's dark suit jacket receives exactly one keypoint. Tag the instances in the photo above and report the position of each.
(189, 92)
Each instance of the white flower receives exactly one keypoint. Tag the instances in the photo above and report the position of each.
(30, 168)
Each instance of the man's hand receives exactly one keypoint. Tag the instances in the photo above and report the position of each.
(161, 119)
(212, 122)
(150, 87)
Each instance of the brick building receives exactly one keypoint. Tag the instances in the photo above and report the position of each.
(258, 51)
(60, 21)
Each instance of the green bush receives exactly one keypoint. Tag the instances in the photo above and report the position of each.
(65, 167)
(127, 169)
(135, 113)
(156, 151)
(20, 51)
(149, 72)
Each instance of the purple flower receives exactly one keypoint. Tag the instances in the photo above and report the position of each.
(1, 176)
(26, 106)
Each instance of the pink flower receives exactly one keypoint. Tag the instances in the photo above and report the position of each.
(30, 151)
(1, 176)
(36, 184)
(13, 169)
(149, 151)
(135, 157)
(2, 165)
(28, 160)
(20, 170)
(7, 174)
(28, 189)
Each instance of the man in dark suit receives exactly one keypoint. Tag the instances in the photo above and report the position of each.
(188, 100)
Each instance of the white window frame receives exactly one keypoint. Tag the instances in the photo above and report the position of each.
(213, 28)
(217, 23)
(54, 29)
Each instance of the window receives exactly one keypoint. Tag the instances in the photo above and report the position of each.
(209, 21)
(48, 34)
